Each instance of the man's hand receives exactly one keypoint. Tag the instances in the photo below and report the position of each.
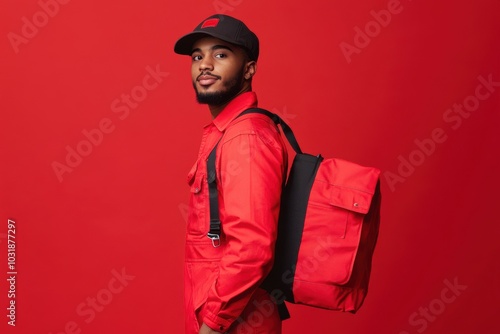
(207, 330)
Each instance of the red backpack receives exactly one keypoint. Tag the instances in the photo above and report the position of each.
(328, 227)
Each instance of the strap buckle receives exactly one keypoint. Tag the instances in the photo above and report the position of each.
(215, 239)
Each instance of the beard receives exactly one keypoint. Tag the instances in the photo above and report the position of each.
(231, 89)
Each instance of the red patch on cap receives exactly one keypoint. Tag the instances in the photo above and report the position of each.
(210, 23)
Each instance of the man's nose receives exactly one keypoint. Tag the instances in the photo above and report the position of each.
(206, 64)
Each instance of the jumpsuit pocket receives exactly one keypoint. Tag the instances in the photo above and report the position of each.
(196, 218)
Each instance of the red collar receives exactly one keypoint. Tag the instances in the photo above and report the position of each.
(234, 108)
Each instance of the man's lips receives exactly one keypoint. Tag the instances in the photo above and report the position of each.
(206, 80)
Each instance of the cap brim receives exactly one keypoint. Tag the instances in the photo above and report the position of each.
(184, 46)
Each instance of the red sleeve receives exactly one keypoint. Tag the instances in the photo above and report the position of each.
(252, 168)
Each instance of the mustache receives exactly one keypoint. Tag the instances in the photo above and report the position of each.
(209, 74)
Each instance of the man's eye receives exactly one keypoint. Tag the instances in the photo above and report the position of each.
(220, 55)
(196, 57)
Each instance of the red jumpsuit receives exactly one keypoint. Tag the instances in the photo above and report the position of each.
(222, 283)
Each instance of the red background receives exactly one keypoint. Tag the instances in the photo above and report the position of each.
(122, 207)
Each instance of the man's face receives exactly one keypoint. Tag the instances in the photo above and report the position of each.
(219, 71)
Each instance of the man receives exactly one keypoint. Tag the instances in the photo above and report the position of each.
(222, 276)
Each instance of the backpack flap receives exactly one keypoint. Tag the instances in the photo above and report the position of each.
(350, 199)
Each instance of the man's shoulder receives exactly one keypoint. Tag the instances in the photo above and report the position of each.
(253, 133)
(251, 124)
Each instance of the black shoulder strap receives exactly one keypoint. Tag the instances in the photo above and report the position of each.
(213, 199)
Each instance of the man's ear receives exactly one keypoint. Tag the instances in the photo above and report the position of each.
(250, 69)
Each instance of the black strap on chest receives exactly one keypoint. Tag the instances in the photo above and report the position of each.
(213, 199)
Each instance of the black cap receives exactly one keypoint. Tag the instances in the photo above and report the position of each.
(223, 27)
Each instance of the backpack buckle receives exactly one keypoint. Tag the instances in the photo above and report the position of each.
(215, 239)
